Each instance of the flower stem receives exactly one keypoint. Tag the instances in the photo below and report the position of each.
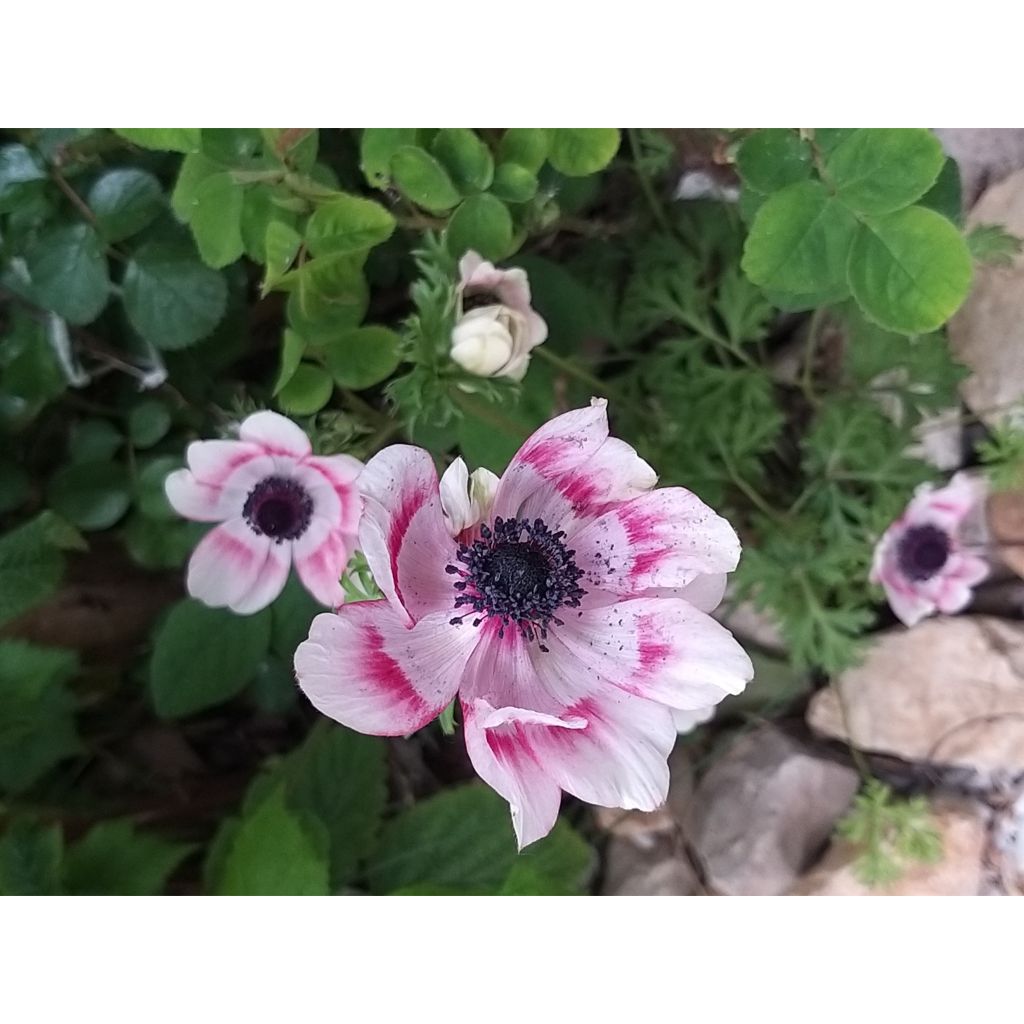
(645, 185)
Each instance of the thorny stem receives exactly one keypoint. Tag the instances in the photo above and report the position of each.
(646, 187)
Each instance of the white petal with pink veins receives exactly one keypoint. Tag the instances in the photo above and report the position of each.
(227, 563)
(269, 581)
(558, 448)
(362, 667)
(320, 557)
(705, 593)
(662, 539)
(277, 434)
(341, 472)
(403, 533)
(660, 649)
(198, 501)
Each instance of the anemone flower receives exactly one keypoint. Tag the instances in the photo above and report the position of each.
(921, 560)
(565, 604)
(277, 505)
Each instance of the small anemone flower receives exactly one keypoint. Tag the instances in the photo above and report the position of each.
(565, 604)
(495, 325)
(922, 560)
(277, 505)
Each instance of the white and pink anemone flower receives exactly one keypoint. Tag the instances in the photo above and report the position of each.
(278, 505)
(922, 560)
(565, 604)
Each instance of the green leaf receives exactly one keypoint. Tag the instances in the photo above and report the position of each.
(68, 270)
(422, 179)
(363, 356)
(273, 688)
(462, 839)
(773, 158)
(149, 488)
(148, 422)
(37, 721)
(216, 220)
(880, 170)
(160, 545)
(465, 157)
(30, 856)
(291, 616)
(15, 486)
(340, 777)
(271, 851)
(376, 148)
(329, 295)
(116, 859)
(231, 146)
(30, 566)
(514, 183)
(204, 656)
(308, 390)
(946, 195)
(194, 170)
(177, 140)
(92, 495)
(800, 241)
(910, 270)
(576, 152)
(482, 223)
(293, 348)
(994, 245)
(171, 299)
(348, 224)
(527, 147)
(124, 201)
(18, 166)
(281, 245)
(93, 440)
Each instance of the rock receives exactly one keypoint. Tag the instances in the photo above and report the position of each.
(763, 811)
(658, 869)
(962, 826)
(750, 625)
(1004, 513)
(984, 155)
(987, 334)
(1008, 836)
(949, 691)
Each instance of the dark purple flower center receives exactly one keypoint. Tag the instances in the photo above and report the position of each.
(279, 508)
(519, 572)
(478, 300)
(922, 551)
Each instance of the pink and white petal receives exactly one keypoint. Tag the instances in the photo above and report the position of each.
(908, 605)
(947, 507)
(341, 472)
(194, 500)
(226, 564)
(470, 263)
(276, 434)
(558, 448)
(613, 474)
(687, 721)
(364, 668)
(326, 500)
(662, 649)
(402, 532)
(538, 328)
(705, 593)
(954, 587)
(320, 557)
(229, 465)
(504, 758)
(663, 539)
(455, 500)
(269, 581)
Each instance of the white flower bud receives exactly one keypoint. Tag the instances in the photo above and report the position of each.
(485, 340)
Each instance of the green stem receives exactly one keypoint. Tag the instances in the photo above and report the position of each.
(601, 387)
(646, 187)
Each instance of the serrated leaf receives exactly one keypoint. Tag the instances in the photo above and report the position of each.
(281, 245)
(772, 158)
(466, 158)
(204, 656)
(348, 224)
(994, 245)
(177, 140)
(420, 177)
(482, 223)
(124, 201)
(909, 271)
(116, 859)
(194, 170)
(293, 347)
(339, 776)
(68, 270)
(31, 566)
(171, 298)
(576, 152)
(18, 166)
(880, 170)
(800, 241)
(216, 219)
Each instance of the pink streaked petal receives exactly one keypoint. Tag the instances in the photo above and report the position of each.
(705, 593)
(326, 500)
(320, 556)
(909, 607)
(276, 434)
(662, 649)
(229, 465)
(269, 582)
(504, 758)
(662, 539)
(198, 501)
(362, 667)
(226, 564)
(341, 472)
(613, 474)
(953, 588)
(552, 452)
(403, 533)
(946, 507)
